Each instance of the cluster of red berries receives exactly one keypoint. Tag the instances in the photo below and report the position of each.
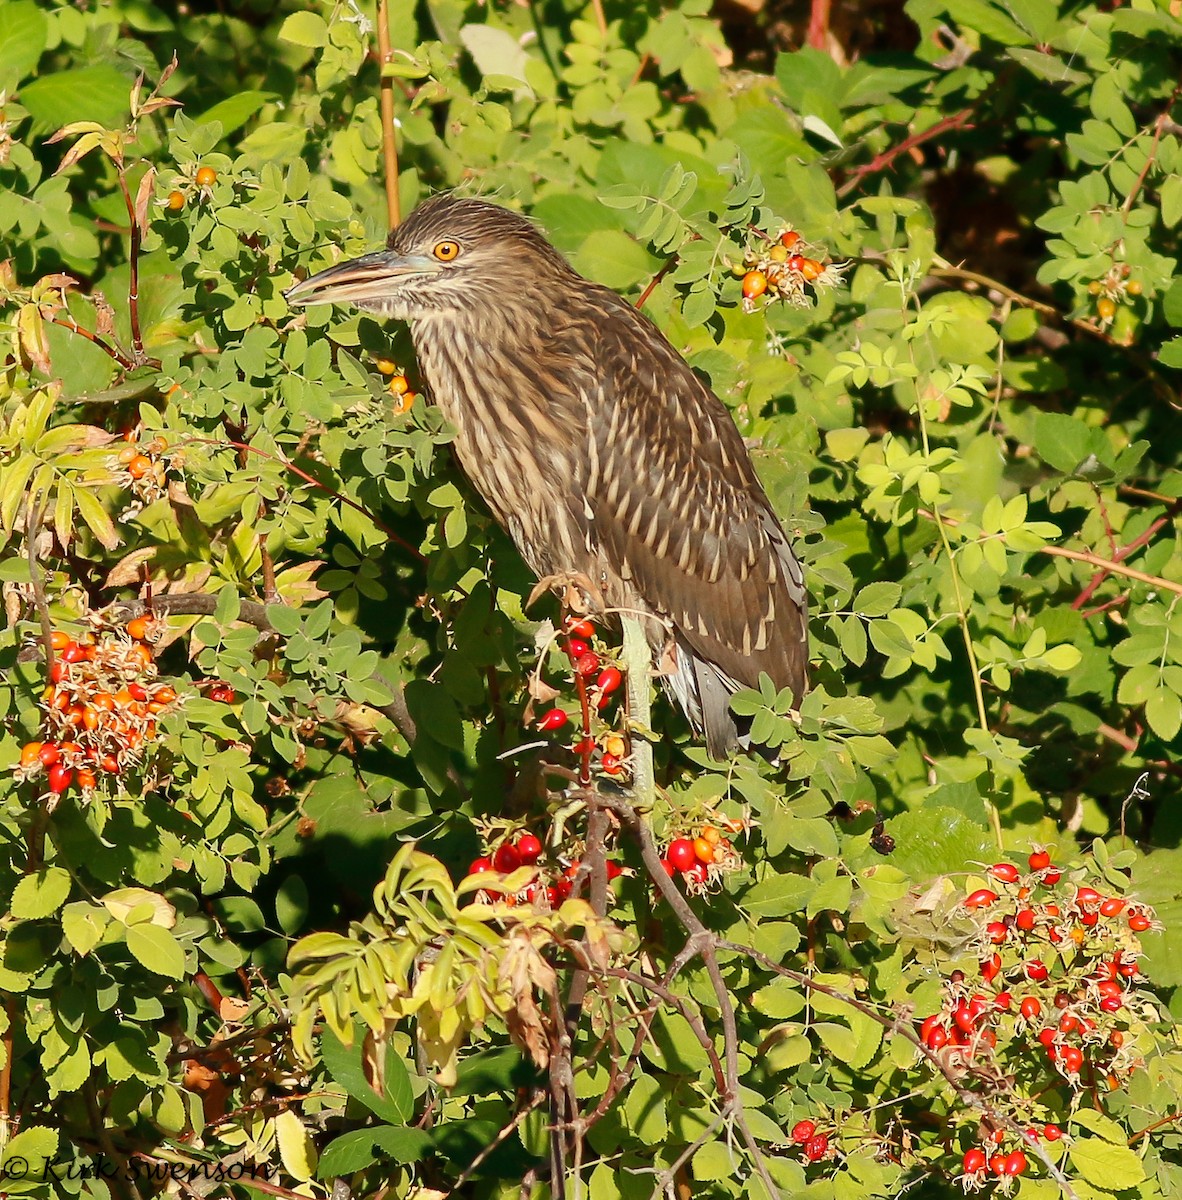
(780, 270)
(142, 468)
(600, 682)
(100, 709)
(1058, 973)
(404, 395)
(548, 887)
(813, 1145)
(1115, 288)
(981, 1162)
(703, 858)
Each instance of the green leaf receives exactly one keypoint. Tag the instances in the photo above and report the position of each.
(296, 1149)
(99, 94)
(1163, 711)
(714, 1160)
(84, 924)
(97, 518)
(1171, 303)
(291, 904)
(156, 949)
(347, 1153)
(23, 34)
(1108, 1166)
(779, 896)
(936, 840)
(1063, 442)
(344, 1064)
(22, 1157)
(41, 893)
(495, 51)
(305, 29)
(877, 599)
(1170, 198)
(613, 258)
(233, 112)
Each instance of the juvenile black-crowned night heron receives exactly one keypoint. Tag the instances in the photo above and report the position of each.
(594, 445)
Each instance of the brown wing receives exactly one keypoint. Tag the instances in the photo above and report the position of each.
(676, 506)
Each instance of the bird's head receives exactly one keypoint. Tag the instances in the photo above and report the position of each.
(452, 255)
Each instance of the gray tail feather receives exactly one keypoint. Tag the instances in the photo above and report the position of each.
(704, 692)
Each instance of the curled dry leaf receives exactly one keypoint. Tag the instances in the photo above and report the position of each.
(521, 971)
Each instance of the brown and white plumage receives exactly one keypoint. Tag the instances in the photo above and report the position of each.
(594, 444)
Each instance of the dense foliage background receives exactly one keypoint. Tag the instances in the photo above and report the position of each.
(971, 428)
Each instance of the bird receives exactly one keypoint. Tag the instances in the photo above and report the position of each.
(595, 445)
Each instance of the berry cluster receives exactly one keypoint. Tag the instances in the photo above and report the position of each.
(1115, 288)
(813, 1145)
(399, 385)
(1057, 1005)
(547, 887)
(101, 710)
(596, 683)
(703, 857)
(781, 270)
(142, 468)
(204, 179)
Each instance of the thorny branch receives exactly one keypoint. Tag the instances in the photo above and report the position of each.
(701, 943)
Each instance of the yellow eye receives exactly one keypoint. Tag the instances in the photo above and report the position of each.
(446, 251)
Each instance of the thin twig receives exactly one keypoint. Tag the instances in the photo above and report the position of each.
(123, 1180)
(506, 1132)
(1084, 556)
(6, 1072)
(652, 283)
(386, 96)
(882, 161)
(703, 944)
(94, 338)
(1121, 553)
(336, 495)
(1158, 129)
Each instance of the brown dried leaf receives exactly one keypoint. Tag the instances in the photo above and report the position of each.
(373, 1061)
(143, 198)
(295, 585)
(522, 969)
(233, 1009)
(360, 720)
(104, 314)
(79, 150)
(54, 286)
(540, 690)
(127, 570)
(137, 87)
(166, 75)
(74, 128)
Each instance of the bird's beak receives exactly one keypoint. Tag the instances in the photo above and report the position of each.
(359, 281)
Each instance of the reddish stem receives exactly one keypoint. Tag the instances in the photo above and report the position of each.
(818, 31)
(880, 162)
(133, 288)
(1118, 555)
